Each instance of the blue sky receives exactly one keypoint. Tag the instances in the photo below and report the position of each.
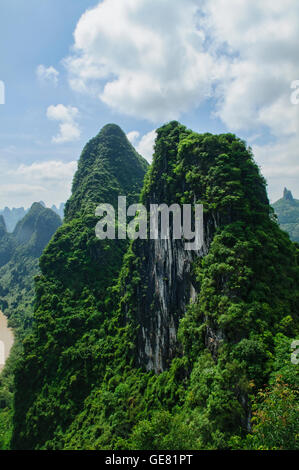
(138, 63)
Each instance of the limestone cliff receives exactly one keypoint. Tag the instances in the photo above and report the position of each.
(187, 168)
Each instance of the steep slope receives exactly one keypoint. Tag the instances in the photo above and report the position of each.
(27, 242)
(108, 167)
(77, 270)
(7, 243)
(13, 216)
(287, 211)
(169, 357)
(234, 336)
(219, 173)
(3, 230)
(21, 250)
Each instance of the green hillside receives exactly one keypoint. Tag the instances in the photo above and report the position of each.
(19, 254)
(103, 324)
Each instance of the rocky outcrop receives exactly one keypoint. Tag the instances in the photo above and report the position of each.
(190, 169)
(287, 195)
(169, 288)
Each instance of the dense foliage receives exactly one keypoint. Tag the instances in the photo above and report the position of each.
(14, 215)
(19, 253)
(65, 350)
(79, 384)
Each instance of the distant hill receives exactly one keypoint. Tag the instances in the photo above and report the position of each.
(59, 210)
(287, 210)
(19, 254)
(14, 215)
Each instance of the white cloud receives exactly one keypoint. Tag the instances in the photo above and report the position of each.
(133, 137)
(142, 58)
(159, 59)
(49, 181)
(280, 165)
(47, 171)
(47, 74)
(68, 128)
(145, 144)
(262, 41)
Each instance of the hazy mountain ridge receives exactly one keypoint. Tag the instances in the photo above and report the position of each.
(26, 243)
(287, 211)
(14, 215)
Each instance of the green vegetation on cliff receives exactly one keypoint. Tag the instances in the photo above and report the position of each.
(26, 243)
(80, 383)
(70, 343)
(19, 253)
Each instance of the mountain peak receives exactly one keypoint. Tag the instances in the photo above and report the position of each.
(109, 166)
(112, 129)
(287, 195)
(37, 227)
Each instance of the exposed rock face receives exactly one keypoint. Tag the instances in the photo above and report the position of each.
(78, 376)
(77, 269)
(287, 195)
(169, 288)
(190, 170)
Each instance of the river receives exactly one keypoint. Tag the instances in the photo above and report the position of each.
(6, 340)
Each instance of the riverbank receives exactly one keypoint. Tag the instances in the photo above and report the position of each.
(6, 340)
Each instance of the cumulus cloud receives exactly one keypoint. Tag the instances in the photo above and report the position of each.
(261, 40)
(47, 74)
(145, 144)
(47, 171)
(143, 58)
(133, 136)
(68, 128)
(49, 180)
(280, 165)
(159, 59)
